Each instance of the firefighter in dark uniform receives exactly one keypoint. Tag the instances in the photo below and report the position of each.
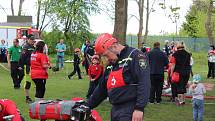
(24, 64)
(126, 80)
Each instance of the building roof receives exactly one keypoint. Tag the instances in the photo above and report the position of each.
(15, 25)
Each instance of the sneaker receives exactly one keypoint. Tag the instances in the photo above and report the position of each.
(173, 100)
(18, 87)
(177, 102)
(159, 102)
(150, 102)
(182, 103)
(28, 100)
(69, 77)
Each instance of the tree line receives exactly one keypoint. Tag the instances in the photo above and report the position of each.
(70, 17)
(200, 20)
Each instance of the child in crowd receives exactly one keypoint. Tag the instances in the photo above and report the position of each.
(95, 71)
(197, 90)
(76, 63)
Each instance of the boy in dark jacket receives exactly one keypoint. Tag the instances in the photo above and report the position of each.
(76, 64)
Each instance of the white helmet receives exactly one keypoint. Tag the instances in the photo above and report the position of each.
(166, 41)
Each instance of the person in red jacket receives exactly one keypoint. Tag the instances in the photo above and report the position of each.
(95, 71)
(173, 85)
(8, 107)
(39, 69)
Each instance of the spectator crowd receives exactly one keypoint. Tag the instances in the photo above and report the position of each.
(30, 63)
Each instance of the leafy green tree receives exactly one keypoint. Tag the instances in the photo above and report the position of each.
(196, 19)
(191, 24)
(71, 17)
(208, 24)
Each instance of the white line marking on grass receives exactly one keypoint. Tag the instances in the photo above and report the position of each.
(4, 67)
(205, 103)
(209, 103)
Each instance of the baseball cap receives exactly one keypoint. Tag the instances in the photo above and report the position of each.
(196, 78)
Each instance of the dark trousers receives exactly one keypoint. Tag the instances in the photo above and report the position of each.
(174, 91)
(191, 71)
(76, 69)
(40, 87)
(16, 74)
(211, 70)
(156, 87)
(92, 87)
(122, 112)
(3, 58)
(86, 65)
(184, 78)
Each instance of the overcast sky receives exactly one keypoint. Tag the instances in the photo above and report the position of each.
(159, 21)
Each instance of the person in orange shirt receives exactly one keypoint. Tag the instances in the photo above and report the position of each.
(39, 69)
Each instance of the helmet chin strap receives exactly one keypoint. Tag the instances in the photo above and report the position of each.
(114, 51)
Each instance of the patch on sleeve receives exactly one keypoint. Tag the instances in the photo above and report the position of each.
(142, 61)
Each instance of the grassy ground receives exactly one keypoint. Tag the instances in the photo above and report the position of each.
(60, 87)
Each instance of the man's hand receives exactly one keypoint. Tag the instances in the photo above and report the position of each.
(8, 64)
(137, 115)
(61, 50)
(50, 65)
(20, 68)
(92, 80)
(8, 118)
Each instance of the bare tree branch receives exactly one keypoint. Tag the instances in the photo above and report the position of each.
(109, 15)
(47, 24)
(12, 9)
(44, 16)
(132, 15)
(152, 6)
(38, 13)
(107, 9)
(140, 31)
(20, 7)
(3, 9)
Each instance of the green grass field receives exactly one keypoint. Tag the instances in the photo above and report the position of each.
(60, 87)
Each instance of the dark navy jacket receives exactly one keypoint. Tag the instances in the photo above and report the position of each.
(157, 61)
(136, 75)
(77, 59)
(25, 58)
